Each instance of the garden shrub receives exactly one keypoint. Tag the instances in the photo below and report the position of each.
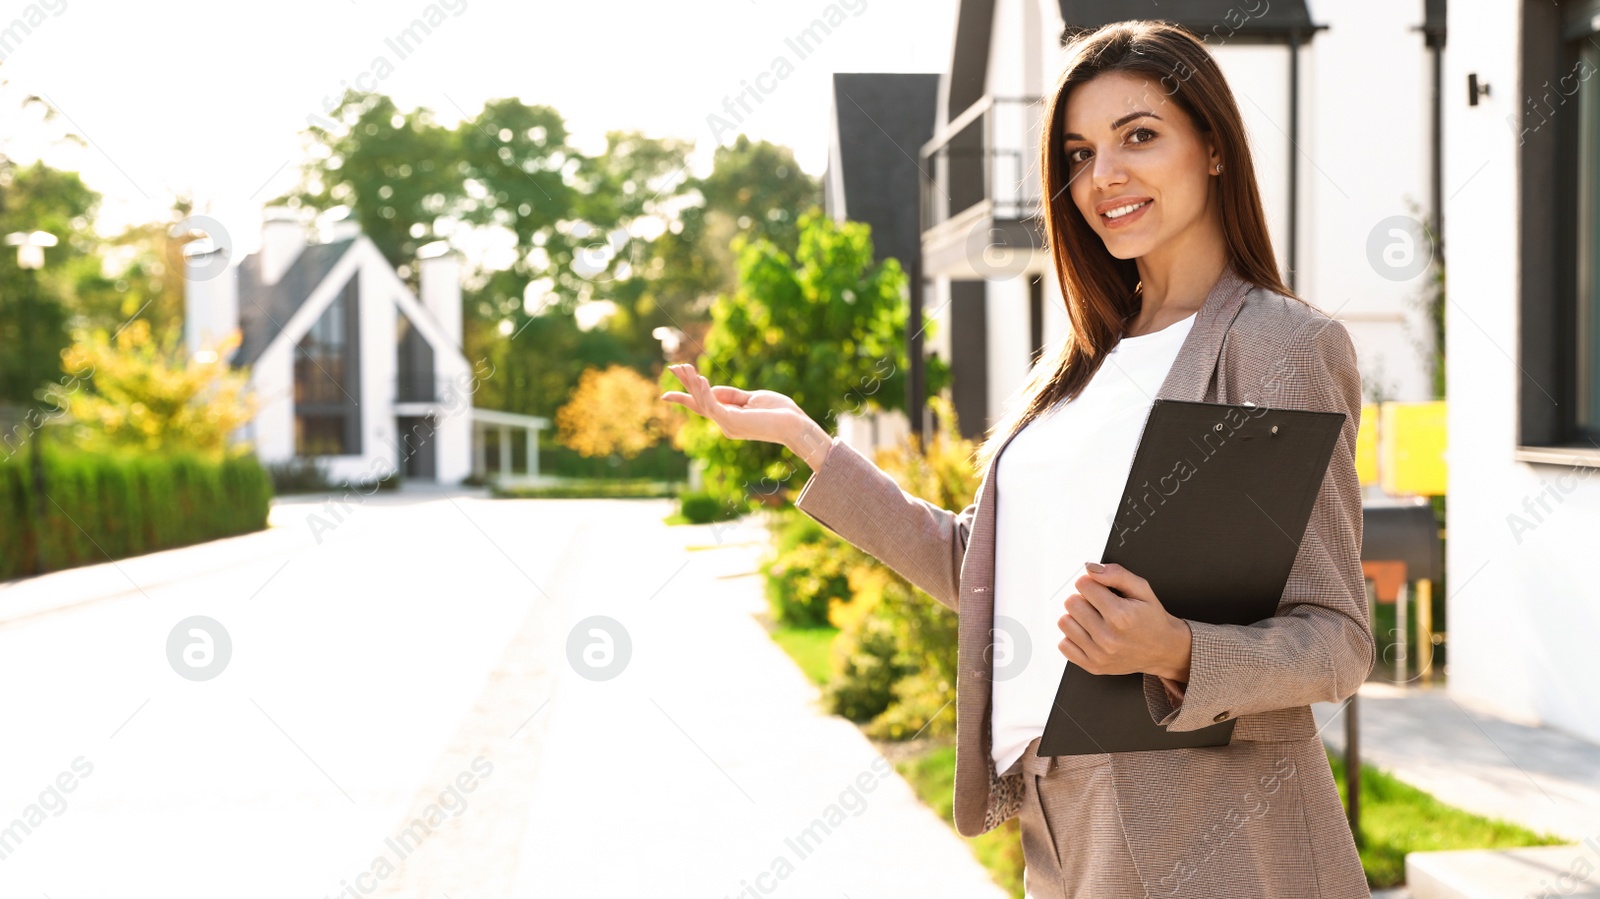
(101, 507)
(895, 656)
(700, 507)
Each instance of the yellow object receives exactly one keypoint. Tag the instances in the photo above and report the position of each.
(1412, 451)
(1367, 445)
(1425, 642)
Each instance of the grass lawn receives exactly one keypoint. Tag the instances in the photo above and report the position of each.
(1397, 818)
(809, 647)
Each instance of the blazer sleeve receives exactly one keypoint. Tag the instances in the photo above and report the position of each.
(857, 500)
(1319, 646)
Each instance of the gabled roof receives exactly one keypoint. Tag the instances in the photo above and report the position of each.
(883, 119)
(264, 309)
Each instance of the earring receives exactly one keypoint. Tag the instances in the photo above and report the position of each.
(1219, 168)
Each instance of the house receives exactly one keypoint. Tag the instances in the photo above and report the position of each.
(1522, 166)
(348, 366)
(1306, 86)
(877, 123)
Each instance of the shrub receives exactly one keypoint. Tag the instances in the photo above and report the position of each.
(637, 488)
(895, 656)
(805, 581)
(103, 507)
(299, 475)
(867, 666)
(700, 507)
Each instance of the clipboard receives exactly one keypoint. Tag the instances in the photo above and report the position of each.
(1215, 505)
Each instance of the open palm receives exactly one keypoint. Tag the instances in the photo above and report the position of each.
(741, 414)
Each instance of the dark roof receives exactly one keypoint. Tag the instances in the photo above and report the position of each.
(969, 64)
(1224, 18)
(264, 310)
(882, 120)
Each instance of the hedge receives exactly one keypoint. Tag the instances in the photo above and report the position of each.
(99, 508)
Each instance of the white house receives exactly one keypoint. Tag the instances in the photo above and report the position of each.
(347, 365)
(1522, 181)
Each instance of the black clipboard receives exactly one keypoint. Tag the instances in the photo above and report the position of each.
(1216, 503)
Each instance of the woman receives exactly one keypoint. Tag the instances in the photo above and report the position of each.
(1158, 238)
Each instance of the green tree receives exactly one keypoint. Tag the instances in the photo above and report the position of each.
(398, 172)
(755, 190)
(34, 307)
(826, 327)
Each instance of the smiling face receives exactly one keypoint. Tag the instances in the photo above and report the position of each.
(1139, 170)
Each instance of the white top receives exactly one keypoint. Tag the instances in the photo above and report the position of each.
(1059, 482)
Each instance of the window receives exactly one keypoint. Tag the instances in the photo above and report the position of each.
(1587, 270)
(1558, 129)
(327, 380)
(414, 357)
(319, 435)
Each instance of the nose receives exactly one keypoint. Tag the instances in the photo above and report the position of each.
(1106, 170)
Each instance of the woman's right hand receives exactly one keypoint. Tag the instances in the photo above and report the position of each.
(751, 414)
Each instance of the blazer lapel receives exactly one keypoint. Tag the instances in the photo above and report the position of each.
(1196, 362)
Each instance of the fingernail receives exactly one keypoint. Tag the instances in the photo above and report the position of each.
(1094, 567)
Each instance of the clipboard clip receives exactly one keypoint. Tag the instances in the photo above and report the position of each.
(1252, 405)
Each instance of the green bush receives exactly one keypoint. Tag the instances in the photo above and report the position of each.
(637, 488)
(103, 507)
(660, 462)
(895, 656)
(299, 475)
(803, 582)
(700, 507)
(867, 667)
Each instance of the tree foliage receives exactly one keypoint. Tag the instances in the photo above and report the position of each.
(628, 227)
(826, 327)
(141, 393)
(35, 308)
(616, 411)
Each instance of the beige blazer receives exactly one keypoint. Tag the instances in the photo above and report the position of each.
(1247, 344)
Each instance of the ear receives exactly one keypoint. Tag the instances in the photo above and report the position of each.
(1213, 157)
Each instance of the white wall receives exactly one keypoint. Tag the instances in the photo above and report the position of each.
(1524, 613)
(1006, 315)
(1368, 79)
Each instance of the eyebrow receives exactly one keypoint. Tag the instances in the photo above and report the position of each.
(1073, 135)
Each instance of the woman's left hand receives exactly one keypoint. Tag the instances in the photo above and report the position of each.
(1104, 633)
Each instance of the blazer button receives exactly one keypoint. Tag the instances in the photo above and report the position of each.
(1220, 716)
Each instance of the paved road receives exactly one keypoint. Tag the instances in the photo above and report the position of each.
(398, 715)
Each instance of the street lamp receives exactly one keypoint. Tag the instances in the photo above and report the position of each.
(30, 257)
(30, 247)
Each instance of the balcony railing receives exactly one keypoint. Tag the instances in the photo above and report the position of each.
(988, 153)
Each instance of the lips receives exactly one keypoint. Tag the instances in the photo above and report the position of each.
(1127, 209)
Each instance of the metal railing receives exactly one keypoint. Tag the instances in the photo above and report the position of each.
(988, 153)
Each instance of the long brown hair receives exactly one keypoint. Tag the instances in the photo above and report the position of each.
(1100, 289)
